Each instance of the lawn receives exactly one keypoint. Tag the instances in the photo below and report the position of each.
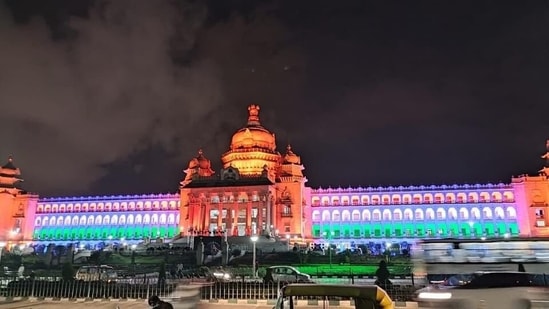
(147, 263)
(333, 270)
(342, 270)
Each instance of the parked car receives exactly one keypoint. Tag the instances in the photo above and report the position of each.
(285, 274)
(96, 273)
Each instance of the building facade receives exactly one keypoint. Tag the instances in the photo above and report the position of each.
(259, 190)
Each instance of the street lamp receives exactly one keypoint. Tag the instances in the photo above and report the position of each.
(471, 230)
(2, 245)
(329, 244)
(254, 240)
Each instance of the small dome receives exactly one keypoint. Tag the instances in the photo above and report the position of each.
(200, 161)
(253, 135)
(290, 157)
(203, 162)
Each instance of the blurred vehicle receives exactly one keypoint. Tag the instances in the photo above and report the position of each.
(285, 274)
(295, 296)
(220, 275)
(96, 273)
(497, 290)
(441, 258)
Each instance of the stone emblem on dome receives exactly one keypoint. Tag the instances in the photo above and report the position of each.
(253, 114)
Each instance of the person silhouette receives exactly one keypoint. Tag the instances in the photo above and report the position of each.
(383, 275)
(155, 302)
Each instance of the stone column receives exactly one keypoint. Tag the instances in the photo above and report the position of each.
(235, 218)
(229, 221)
(207, 216)
(219, 217)
(249, 217)
(259, 219)
(268, 200)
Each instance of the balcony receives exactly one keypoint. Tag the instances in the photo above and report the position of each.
(286, 214)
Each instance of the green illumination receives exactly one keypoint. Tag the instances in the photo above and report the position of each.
(501, 228)
(172, 231)
(513, 229)
(489, 229)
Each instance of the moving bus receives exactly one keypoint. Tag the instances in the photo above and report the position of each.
(484, 273)
(438, 258)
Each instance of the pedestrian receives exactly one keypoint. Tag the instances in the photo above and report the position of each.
(383, 276)
(156, 303)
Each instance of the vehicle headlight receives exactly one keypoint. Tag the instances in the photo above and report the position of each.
(218, 275)
(429, 295)
(226, 276)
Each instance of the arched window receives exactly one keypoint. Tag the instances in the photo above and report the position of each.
(316, 216)
(326, 216)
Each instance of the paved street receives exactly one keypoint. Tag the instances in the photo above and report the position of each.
(119, 305)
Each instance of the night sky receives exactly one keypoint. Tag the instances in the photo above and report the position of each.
(115, 97)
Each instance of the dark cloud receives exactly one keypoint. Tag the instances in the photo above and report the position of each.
(118, 95)
(75, 104)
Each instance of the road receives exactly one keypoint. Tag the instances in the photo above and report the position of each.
(128, 305)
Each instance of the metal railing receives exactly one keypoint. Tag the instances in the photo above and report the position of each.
(59, 289)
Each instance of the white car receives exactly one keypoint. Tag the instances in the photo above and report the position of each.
(285, 274)
(96, 273)
(488, 290)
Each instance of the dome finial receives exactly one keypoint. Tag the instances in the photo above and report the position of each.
(9, 164)
(200, 152)
(289, 148)
(253, 115)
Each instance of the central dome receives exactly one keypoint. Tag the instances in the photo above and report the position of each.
(253, 135)
(253, 148)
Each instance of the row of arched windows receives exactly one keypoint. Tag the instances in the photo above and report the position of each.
(415, 214)
(172, 218)
(415, 198)
(108, 206)
(240, 198)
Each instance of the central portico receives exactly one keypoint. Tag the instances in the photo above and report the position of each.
(258, 190)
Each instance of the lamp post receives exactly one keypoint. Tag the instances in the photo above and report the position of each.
(471, 230)
(2, 245)
(254, 240)
(329, 244)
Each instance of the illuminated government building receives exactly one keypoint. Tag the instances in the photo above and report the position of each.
(259, 190)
